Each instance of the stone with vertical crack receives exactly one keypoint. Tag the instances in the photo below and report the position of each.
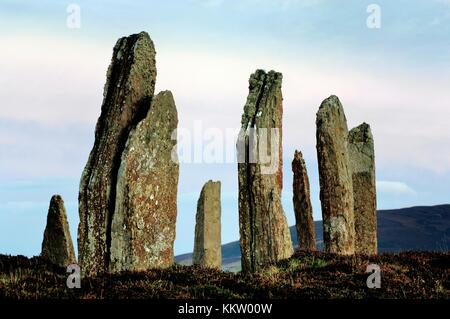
(302, 204)
(362, 162)
(57, 246)
(336, 187)
(264, 233)
(127, 95)
(207, 245)
(143, 226)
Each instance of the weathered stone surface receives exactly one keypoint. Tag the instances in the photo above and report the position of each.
(302, 205)
(127, 95)
(143, 226)
(207, 245)
(362, 163)
(264, 232)
(336, 189)
(57, 245)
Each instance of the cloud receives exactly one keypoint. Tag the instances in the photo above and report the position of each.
(65, 81)
(395, 188)
(31, 149)
(51, 79)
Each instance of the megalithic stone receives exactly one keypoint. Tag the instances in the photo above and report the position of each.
(302, 205)
(362, 160)
(336, 189)
(207, 244)
(127, 94)
(57, 246)
(264, 232)
(143, 226)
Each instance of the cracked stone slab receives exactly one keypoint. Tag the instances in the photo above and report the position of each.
(264, 233)
(126, 100)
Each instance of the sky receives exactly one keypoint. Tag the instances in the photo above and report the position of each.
(395, 77)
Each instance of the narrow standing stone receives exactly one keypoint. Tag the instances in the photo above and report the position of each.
(127, 95)
(57, 245)
(362, 160)
(143, 226)
(302, 205)
(264, 233)
(207, 245)
(336, 189)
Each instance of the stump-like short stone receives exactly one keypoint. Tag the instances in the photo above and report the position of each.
(336, 188)
(207, 244)
(362, 160)
(57, 246)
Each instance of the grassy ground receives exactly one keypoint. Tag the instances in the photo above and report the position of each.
(305, 275)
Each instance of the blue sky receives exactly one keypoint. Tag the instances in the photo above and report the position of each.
(396, 78)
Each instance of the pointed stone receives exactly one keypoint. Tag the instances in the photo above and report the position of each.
(362, 160)
(207, 245)
(302, 205)
(336, 189)
(127, 95)
(57, 245)
(143, 226)
(264, 233)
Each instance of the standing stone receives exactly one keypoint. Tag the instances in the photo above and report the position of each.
(57, 246)
(127, 95)
(362, 162)
(336, 190)
(302, 205)
(143, 226)
(264, 232)
(207, 245)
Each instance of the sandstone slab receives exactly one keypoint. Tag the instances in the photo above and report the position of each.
(143, 226)
(127, 95)
(264, 233)
(207, 244)
(336, 187)
(362, 162)
(57, 245)
(302, 204)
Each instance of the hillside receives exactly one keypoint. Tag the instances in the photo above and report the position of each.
(412, 274)
(424, 228)
(304, 276)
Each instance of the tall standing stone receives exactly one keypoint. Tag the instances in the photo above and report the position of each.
(362, 160)
(127, 95)
(57, 246)
(336, 189)
(207, 245)
(264, 232)
(143, 226)
(302, 205)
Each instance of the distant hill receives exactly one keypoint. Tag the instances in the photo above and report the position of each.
(415, 228)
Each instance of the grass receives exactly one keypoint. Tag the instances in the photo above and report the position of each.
(305, 275)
